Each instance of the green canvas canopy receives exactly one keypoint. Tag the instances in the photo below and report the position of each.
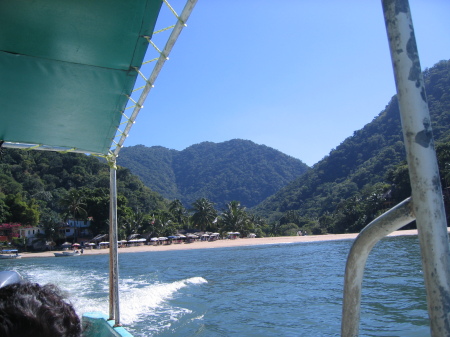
(67, 68)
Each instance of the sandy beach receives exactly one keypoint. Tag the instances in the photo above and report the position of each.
(222, 243)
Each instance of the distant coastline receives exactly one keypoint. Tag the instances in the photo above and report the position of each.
(222, 244)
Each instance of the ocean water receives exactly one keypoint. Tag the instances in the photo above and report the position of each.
(269, 290)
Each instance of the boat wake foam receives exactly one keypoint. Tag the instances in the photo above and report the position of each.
(149, 299)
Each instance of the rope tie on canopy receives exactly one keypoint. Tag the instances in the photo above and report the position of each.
(161, 30)
(136, 104)
(157, 49)
(120, 134)
(183, 22)
(142, 75)
(117, 144)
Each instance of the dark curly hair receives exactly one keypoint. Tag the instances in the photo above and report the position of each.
(29, 309)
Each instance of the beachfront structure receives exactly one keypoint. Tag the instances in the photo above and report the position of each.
(30, 234)
(75, 229)
(72, 229)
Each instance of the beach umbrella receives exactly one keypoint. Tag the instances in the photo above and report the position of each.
(154, 239)
(66, 244)
(76, 244)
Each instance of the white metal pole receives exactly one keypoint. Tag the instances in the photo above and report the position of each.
(114, 312)
(423, 168)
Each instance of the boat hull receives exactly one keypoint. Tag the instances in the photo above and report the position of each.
(10, 256)
(66, 254)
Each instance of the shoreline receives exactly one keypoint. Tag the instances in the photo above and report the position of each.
(222, 243)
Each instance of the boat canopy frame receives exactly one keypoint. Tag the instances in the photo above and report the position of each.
(71, 70)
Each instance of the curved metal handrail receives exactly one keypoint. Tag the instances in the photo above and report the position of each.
(392, 220)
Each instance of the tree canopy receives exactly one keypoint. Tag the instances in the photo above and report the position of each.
(233, 170)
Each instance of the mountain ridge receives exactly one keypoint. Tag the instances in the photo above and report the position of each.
(221, 172)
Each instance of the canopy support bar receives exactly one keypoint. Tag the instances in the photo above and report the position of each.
(422, 163)
(114, 312)
(190, 4)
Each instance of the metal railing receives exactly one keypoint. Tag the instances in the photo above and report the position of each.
(427, 202)
(392, 220)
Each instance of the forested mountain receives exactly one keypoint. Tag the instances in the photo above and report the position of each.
(220, 172)
(366, 166)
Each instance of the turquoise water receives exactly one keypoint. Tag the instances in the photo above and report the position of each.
(270, 290)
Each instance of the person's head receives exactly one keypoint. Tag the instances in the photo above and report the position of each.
(28, 309)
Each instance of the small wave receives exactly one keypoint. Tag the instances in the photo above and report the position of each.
(196, 280)
(139, 302)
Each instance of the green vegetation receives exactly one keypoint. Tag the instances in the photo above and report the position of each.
(233, 170)
(47, 188)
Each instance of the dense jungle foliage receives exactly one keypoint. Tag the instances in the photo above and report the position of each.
(39, 187)
(366, 173)
(221, 172)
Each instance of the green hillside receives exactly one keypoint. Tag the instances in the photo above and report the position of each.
(38, 186)
(365, 164)
(233, 170)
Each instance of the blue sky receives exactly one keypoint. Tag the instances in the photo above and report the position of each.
(296, 75)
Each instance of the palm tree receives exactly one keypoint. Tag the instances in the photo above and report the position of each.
(257, 224)
(235, 218)
(178, 211)
(74, 202)
(204, 214)
(161, 224)
(51, 222)
(133, 223)
(275, 230)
